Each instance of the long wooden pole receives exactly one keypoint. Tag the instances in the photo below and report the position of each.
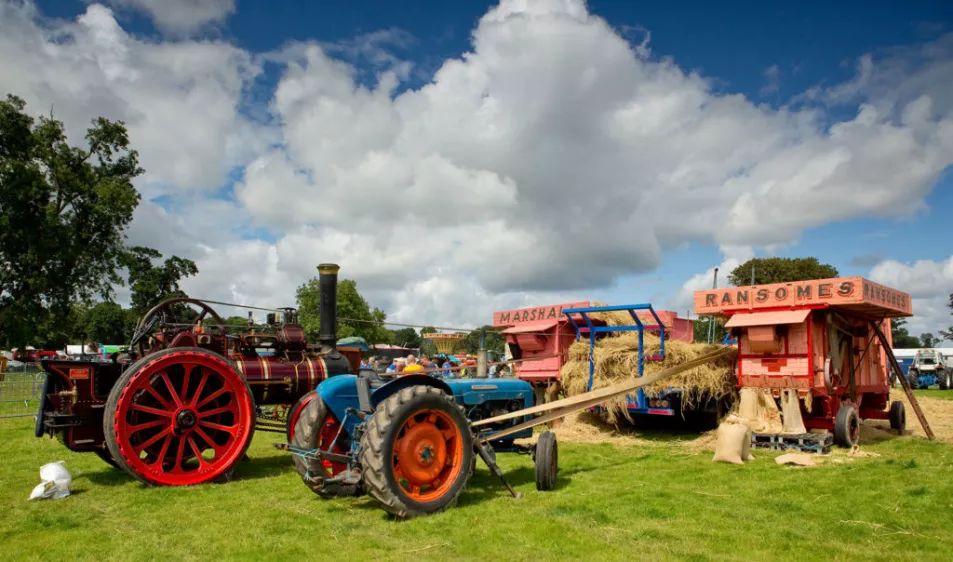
(904, 383)
(566, 406)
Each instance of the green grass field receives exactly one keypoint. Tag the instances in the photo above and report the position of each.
(660, 502)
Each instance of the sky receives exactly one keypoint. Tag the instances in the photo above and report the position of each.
(458, 158)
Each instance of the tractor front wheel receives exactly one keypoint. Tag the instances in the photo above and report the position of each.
(417, 452)
(316, 428)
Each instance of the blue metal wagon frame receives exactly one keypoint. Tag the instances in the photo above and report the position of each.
(638, 403)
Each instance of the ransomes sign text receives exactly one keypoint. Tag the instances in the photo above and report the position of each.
(855, 291)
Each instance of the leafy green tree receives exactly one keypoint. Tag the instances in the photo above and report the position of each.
(406, 337)
(355, 316)
(901, 337)
(928, 340)
(495, 341)
(109, 323)
(63, 213)
(702, 324)
(948, 333)
(780, 270)
(153, 284)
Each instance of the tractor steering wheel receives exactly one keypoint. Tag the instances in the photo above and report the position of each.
(163, 314)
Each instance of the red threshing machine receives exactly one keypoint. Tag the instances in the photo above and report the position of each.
(543, 334)
(825, 341)
(181, 408)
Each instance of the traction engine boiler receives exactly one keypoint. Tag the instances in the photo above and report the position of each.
(181, 407)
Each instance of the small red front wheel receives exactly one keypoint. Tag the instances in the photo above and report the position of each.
(179, 417)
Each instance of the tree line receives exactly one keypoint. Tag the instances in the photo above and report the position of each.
(64, 211)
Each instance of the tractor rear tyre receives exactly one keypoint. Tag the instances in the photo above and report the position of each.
(316, 428)
(179, 417)
(944, 379)
(898, 417)
(295, 412)
(417, 452)
(547, 457)
(847, 427)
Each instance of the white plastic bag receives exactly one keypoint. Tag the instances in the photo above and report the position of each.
(56, 480)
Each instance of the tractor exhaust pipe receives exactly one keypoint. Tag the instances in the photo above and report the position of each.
(327, 307)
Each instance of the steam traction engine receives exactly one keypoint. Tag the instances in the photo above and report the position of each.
(181, 408)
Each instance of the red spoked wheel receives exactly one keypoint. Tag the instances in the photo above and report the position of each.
(316, 428)
(417, 452)
(179, 417)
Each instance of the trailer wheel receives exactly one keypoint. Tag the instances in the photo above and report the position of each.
(898, 416)
(315, 428)
(847, 427)
(547, 457)
(417, 452)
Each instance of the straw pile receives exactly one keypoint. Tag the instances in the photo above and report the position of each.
(617, 360)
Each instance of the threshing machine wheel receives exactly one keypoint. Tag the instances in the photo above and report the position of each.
(417, 452)
(898, 416)
(945, 379)
(316, 428)
(847, 426)
(178, 417)
(547, 457)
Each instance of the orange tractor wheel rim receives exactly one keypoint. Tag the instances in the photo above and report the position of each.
(428, 453)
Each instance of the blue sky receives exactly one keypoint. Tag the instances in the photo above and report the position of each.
(768, 53)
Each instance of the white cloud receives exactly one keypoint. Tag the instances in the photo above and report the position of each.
(181, 17)
(929, 282)
(549, 160)
(180, 100)
(733, 257)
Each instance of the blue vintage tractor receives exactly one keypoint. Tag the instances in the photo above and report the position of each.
(408, 441)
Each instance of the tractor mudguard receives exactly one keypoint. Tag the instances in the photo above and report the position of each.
(406, 381)
(339, 393)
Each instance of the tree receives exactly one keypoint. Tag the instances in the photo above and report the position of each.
(928, 340)
(495, 341)
(109, 323)
(780, 270)
(406, 337)
(900, 336)
(63, 213)
(151, 284)
(702, 324)
(355, 316)
(948, 333)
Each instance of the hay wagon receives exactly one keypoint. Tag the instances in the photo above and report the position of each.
(644, 318)
(819, 348)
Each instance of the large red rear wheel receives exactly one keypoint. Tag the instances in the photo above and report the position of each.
(179, 417)
(417, 452)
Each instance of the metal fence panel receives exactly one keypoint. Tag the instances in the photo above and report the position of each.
(20, 392)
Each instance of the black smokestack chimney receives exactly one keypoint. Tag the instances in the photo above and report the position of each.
(327, 307)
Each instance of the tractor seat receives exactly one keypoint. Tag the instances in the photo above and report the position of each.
(375, 378)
